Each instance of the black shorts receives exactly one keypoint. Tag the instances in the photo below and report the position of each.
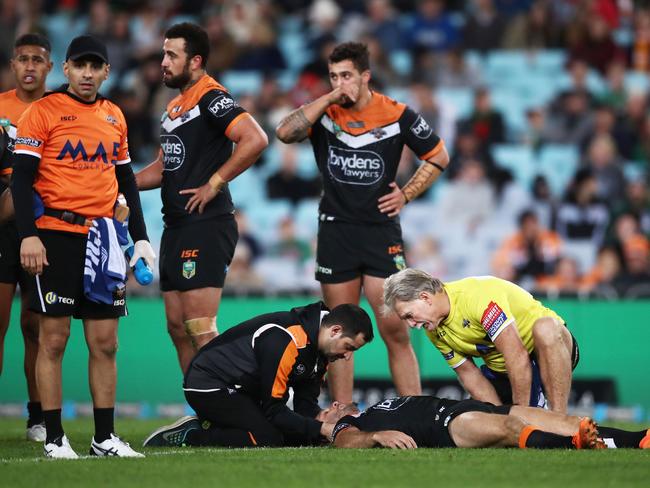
(59, 290)
(445, 414)
(197, 255)
(346, 251)
(10, 269)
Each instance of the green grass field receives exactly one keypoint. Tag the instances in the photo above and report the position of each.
(22, 464)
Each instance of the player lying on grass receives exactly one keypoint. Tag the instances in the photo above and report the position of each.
(426, 421)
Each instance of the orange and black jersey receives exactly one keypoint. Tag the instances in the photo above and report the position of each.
(417, 416)
(11, 108)
(358, 152)
(194, 143)
(262, 358)
(77, 144)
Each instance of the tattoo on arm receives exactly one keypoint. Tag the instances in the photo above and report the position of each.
(420, 181)
(296, 126)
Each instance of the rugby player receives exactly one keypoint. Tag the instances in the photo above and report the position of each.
(194, 166)
(428, 421)
(240, 381)
(358, 135)
(30, 66)
(71, 150)
(527, 349)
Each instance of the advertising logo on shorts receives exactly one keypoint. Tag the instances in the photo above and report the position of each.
(189, 269)
(173, 152)
(420, 128)
(354, 166)
(221, 105)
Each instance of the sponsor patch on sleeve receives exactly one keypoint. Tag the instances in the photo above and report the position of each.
(493, 318)
(221, 105)
(28, 141)
(448, 356)
(420, 128)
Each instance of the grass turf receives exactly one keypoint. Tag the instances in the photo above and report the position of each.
(22, 464)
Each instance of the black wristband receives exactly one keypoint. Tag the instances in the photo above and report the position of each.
(441, 168)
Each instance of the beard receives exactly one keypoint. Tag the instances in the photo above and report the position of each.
(179, 81)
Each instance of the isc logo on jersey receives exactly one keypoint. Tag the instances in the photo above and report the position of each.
(420, 128)
(221, 105)
(355, 167)
(173, 152)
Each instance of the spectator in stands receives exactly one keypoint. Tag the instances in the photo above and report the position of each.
(615, 93)
(534, 29)
(597, 47)
(450, 70)
(635, 279)
(535, 132)
(246, 237)
(222, 44)
(530, 253)
(242, 279)
(543, 203)
(383, 24)
(578, 81)
(641, 150)
(637, 203)
(383, 74)
(571, 122)
(118, 43)
(289, 245)
(640, 49)
(605, 125)
(286, 183)
(485, 121)
(628, 237)
(582, 217)
(565, 280)
(469, 198)
(606, 167)
(484, 27)
(431, 30)
(600, 277)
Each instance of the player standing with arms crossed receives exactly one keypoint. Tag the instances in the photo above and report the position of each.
(30, 65)
(358, 135)
(71, 149)
(195, 163)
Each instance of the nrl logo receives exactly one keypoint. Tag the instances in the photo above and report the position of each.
(189, 269)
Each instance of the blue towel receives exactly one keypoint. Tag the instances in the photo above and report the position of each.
(105, 266)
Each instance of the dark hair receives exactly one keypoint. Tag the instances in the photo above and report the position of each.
(526, 215)
(33, 39)
(356, 52)
(196, 40)
(352, 319)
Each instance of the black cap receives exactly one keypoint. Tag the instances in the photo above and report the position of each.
(86, 46)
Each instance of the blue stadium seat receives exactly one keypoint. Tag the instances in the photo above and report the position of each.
(558, 163)
(242, 82)
(549, 62)
(294, 48)
(519, 159)
(306, 217)
(461, 98)
(264, 218)
(401, 61)
(637, 81)
(247, 189)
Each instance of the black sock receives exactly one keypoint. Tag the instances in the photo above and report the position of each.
(53, 426)
(545, 440)
(104, 425)
(35, 413)
(622, 438)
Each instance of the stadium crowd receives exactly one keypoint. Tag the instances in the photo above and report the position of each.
(543, 105)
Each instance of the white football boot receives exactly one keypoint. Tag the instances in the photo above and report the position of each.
(36, 432)
(60, 449)
(113, 446)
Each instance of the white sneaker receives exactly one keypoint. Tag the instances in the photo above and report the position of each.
(60, 449)
(113, 446)
(36, 432)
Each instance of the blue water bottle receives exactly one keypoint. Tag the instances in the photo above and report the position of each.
(141, 270)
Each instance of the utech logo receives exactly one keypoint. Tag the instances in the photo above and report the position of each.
(420, 128)
(173, 151)
(51, 298)
(355, 167)
(221, 105)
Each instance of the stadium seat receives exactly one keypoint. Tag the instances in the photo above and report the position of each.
(265, 217)
(247, 189)
(548, 62)
(242, 82)
(401, 61)
(461, 98)
(294, 48)
(637, 81)
(558, 163)
(519, 159)
(306, 216)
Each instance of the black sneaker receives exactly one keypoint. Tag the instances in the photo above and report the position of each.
(173, 434)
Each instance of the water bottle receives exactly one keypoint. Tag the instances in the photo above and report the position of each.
(141, 270)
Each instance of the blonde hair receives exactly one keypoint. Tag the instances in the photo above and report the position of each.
(406, 286)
